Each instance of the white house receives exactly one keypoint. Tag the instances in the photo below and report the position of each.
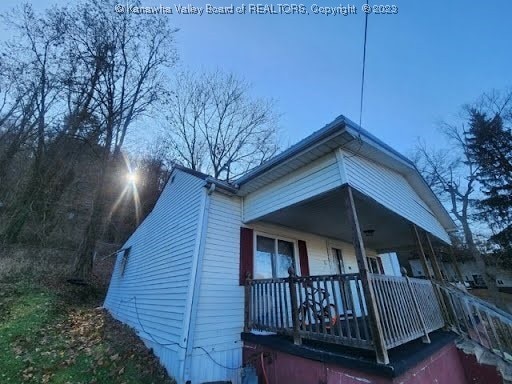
(179, 279)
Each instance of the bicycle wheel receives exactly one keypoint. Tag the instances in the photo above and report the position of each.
(330, 316)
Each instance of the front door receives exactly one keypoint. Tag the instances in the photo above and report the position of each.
(336, 262)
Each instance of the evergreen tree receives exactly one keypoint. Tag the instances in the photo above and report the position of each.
(490, 143)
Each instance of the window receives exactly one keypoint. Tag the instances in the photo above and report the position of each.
(338, 260)
(124, 259)
(374, 265)
(273, 257)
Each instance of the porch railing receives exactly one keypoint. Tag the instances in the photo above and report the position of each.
(408, 308)
(479, 321)
(332, 308)
(326, 308)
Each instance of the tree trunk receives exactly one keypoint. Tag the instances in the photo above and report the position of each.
(85, 255)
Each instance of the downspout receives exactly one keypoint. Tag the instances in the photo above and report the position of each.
(191, 308)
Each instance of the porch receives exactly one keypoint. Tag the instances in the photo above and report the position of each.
(365, 310)
(333, 308)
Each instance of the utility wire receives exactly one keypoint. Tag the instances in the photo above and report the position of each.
(364, 64)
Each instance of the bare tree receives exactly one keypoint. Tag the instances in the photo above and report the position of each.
(454, 175)
(216, 127)
(35, 54)
(138, 48)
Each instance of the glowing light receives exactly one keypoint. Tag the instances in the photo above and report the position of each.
(132, 177)
(130, 188)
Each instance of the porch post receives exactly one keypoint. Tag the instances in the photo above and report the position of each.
(437, 274)
(297, 339)
(423, 258)
(369, 294)
(247, 308)
(456, 265)
(437, 270)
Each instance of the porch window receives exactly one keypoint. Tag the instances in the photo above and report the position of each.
(273, 257)
(375, 265)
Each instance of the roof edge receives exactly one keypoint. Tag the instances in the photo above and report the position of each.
(337, 124)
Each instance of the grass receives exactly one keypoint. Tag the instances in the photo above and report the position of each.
(55, 333)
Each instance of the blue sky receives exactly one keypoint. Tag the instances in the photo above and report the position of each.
(422, 63)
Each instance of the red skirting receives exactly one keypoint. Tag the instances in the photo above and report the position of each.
(443, 367)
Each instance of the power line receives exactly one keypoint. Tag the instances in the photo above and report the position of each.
(364, 64)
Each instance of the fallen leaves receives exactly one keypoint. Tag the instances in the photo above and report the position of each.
(86, 343)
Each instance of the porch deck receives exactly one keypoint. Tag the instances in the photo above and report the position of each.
(401, 358)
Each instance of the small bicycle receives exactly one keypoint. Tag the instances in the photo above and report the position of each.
(322, 312)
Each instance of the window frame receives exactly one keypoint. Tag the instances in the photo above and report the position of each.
(124, 259)
(340, 264)
(276, 238)
(380, 267)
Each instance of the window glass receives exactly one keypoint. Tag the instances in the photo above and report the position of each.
(373, 265)
(284, 258)
(273, 258)
(265, 249)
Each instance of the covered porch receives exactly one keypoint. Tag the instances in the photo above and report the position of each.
(359, 306)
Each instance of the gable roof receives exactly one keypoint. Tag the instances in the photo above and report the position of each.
(343, 132)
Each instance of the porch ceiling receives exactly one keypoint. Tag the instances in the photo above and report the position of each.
(326, 215)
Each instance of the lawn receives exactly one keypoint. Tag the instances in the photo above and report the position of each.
(58, 334)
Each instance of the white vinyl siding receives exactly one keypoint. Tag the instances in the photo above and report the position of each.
(390, 264)
(220, 308)
(393, 191)
(313, 179)
(151, 295)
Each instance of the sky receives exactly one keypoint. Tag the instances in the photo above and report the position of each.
(422, 63)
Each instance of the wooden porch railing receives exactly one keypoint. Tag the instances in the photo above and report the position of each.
(332, 308)
(408, 308)
(479, 321)
(326, 308)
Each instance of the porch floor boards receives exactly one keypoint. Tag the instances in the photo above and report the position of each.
(401, 358)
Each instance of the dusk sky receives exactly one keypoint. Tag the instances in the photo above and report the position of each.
(422, 63)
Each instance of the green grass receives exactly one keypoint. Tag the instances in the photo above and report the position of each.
(50, 337)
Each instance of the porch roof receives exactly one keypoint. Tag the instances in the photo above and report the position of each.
(326, 216)
(342, 132)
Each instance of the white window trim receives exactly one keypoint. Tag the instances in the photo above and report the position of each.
(295, 243)
(379, 265)
(331, 256)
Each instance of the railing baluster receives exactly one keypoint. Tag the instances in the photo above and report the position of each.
(302, 309)
(354, 317)
(285, 297)
(364, 314)
(329, 308)
(281, 318)
(343, 290)
(335, 300)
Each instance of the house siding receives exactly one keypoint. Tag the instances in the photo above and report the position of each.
(313, 179)
(219, 316)
(152, 295)
(392, 190)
